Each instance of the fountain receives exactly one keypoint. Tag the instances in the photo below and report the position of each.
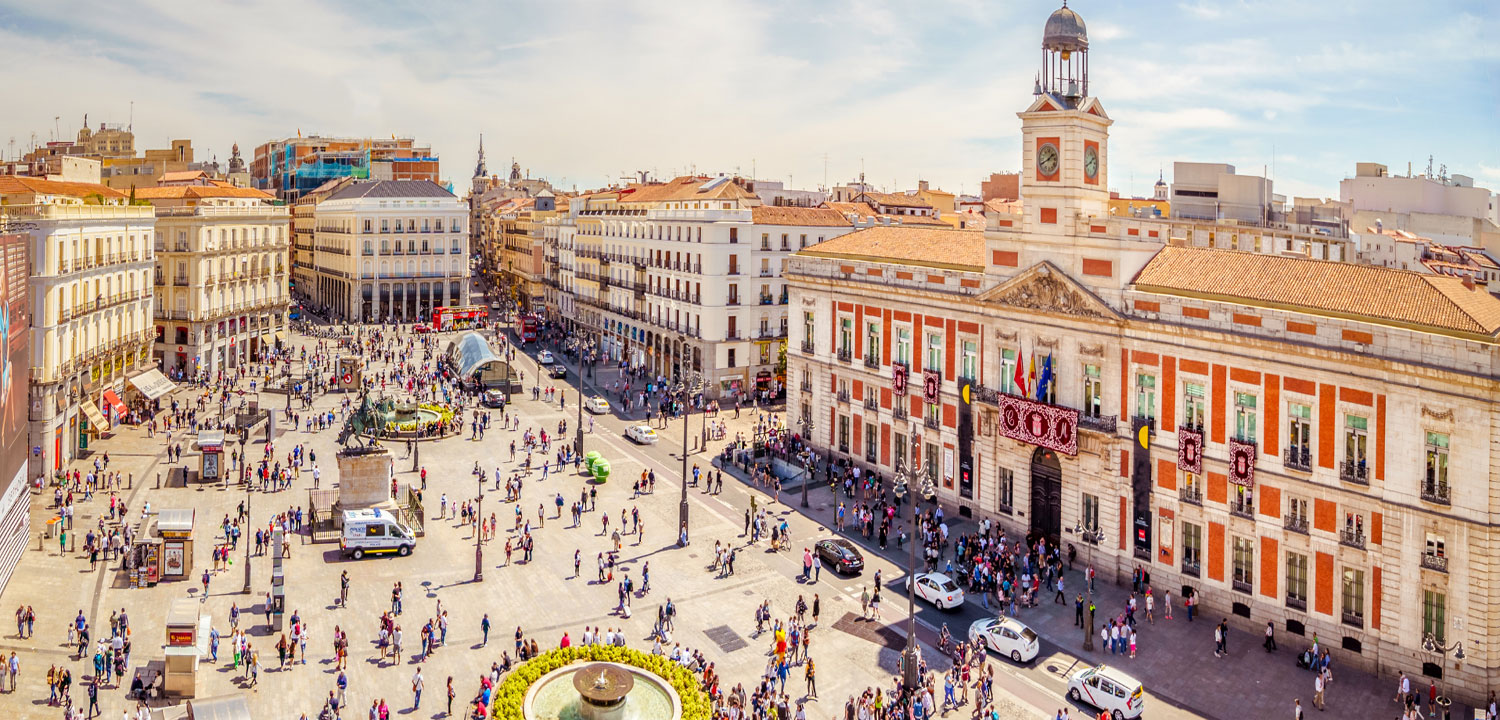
(601, 691)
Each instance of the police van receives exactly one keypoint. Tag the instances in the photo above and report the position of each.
(372, 531)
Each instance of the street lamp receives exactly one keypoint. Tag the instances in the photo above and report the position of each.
(807, 464)
(909, 677)
(695, 382)
(478, 529)
(1090, 538)
(1431, 644)
(249, 516)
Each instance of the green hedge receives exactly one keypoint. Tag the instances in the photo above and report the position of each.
(511, 695)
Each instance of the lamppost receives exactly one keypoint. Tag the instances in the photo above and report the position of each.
(695, 382)
(1090, 539)
(1430, 643)
(808, 426)
(478, 529)
(903, 479)
(249, 516)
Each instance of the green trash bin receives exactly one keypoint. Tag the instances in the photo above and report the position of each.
(589, 458)
(601, 470)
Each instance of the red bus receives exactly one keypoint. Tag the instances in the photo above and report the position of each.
(457, 318)
(528, 329)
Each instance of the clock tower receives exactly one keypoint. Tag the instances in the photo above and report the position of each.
(1064, 135)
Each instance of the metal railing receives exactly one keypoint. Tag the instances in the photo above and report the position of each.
(1242, 510)
(1102, 423)
(1435, 562)
(1296, 603)
(898, 412)
(1298, 458)
(1354, 472)
(1437, 494)
(1192, 568)
(1191, 495)
(844, 354)
(872, 361)
(843, 396)
(1352, 619)
(931, 422)
(1352, 538)
(807, 347)
(871, 403)
(1240, 586)
(807, 385)
(1295, 523)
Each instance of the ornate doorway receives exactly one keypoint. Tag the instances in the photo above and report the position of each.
(1046, 495)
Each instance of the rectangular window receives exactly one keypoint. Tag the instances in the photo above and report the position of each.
(1244, 564)
(1296, 510)
(1435, 482)
(1435, 615)
(843, 433)
(970, 364)
(1145, 397)
(1354, 597)
(846, 335)
(934, 414)
(1242, 500)
(934, 360)
(1355, 440)
(731, 356)
(1093, 391)
(1007, 489)
(932, 463)
(872, 343)
(872, 443)
(898, 452)
(1296, 580)
(1244, 417)
(1299, 436)
(808, 332)
(1008, 372)
(1192, 547)
(1192, 405)
(903, 346)
(1090, 519)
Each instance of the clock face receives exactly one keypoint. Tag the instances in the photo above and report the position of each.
(1046, 159)
(1091, 162)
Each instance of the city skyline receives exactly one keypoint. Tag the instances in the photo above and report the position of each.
(771, 90)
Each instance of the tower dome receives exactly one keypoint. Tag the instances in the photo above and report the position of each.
(1065, 32)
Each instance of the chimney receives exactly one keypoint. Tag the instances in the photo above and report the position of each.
(1468, 281)
(922, 185)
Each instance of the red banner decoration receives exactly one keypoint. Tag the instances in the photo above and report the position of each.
(1190, 450)
(932, 385)
(898, 379)
(1242, 463)
(1036, 423)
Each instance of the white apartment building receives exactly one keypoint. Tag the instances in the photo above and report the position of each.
(685, 276)
(91, 308)
(221, 276)
(1450, 211)
(390, 248)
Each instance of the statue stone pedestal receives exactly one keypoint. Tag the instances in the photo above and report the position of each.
(364, 481)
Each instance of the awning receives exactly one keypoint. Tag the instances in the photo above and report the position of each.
(114, 402)
(153, 384)
(96, 418)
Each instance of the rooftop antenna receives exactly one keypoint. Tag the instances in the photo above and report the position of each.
(752, 168)
(1429, 167)
(825, 171)
(56, 128)
(131, 127)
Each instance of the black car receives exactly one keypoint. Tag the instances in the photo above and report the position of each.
(841, 554)
(557, 370)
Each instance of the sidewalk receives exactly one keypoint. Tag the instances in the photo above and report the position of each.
(1172, 655)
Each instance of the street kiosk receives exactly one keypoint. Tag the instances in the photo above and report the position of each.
(187, 644)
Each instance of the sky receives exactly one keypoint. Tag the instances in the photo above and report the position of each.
(584, 93)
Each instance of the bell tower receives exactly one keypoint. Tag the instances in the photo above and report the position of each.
(1065, 134)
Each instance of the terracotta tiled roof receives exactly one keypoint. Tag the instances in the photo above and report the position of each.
(182, 175)
(918, 220)
(184, 192)
(810, 217)
(860, 209)
(922, 246)
(16, 184)
(689, 187)
(1378, 295)
(896, 199)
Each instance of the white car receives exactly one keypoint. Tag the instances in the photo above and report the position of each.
(1108, 689)
(1008, 637)
(597, 405)
(642, 434)
(545, 357)
(939, 589)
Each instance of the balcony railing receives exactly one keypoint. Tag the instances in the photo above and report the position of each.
(180, 280)
(1436, 494)
(1190, 494)
(1191, 568)
(807, 347)
(843, 396)
(898, 411)
(871, 403)
(1295, 523)
(807, 386)
(1354, 472)
(1296, 603)
(872, 361)
(1435, 562)
(1352, 538)
(1352, 619)
(931, 423)
(1102, 423)
(1243, 511)
(844, 354)
(1298, 458)
(1240, 586)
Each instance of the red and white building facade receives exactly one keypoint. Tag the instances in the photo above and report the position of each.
(1306, 442)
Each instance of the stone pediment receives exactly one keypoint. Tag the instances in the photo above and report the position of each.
(1046, 288)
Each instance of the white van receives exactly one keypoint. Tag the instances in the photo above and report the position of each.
(1108, 689)
(374, 531)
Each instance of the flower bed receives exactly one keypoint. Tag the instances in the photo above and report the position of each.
(511, 694)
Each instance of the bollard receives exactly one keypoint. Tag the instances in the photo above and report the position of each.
(130, 479)
(158, 481)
